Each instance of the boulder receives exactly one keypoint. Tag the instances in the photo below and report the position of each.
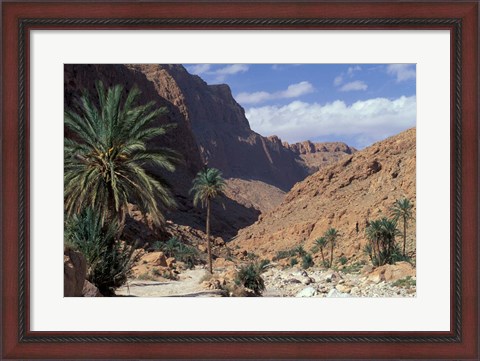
(74, 273)
(221, 262)
(170, 262)
(332, 277)
(89, 290)
(219, 242)
(154, 259)
(391, 272)
(307, 292)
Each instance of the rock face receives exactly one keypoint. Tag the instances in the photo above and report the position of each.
(318, 155)
(254, 194)
(74, 273)
(346, 196)
(222, 131)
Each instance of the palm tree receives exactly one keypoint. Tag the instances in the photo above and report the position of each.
(331, 235)
(382, 233)
(389, 231)
(321, 243)
(207, 185)
(106, 159)
(403, 209)
(374, 235)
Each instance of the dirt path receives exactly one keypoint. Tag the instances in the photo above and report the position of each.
(188, 285)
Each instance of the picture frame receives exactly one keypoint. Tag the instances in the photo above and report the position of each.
(18, 341)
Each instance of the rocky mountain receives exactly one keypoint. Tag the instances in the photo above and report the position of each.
(230, 215)
(354, 190)
(211, 127)
(318, 155)
(222, 131)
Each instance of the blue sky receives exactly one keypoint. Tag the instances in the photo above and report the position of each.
(358, 104)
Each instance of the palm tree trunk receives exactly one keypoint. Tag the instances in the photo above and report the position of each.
(323, 257)
(208, 238)
(404, 234)
(331, 253)
(374, 249)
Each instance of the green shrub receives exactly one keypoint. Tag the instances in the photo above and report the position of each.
(174, 247)
(250, 276)
(292, 252)
(353, 268)
(109, 263)
(307, 261)
(293, 261)
(405, 282)
(343, 260)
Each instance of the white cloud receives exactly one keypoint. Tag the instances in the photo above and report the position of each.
(354, 85)
(403, 72)
(292, 91)
(338, 80)
(350, 86)
(364, 121)
(199, 68)
(231, 69)
(217, 75)
(353, 69)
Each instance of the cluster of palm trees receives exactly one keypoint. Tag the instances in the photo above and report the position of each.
(109, 159)
(382, 232)
(329, 238)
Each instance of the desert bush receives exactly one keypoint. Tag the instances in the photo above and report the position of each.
(307, 261)
(353, 268)
(407, 282)
(292, 252)
(343, 260)
(250, 276)
(109, 262)
(293, 261)
(174, 247)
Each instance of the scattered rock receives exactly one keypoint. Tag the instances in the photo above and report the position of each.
(334, 293)
(343, 289)
(307, 292)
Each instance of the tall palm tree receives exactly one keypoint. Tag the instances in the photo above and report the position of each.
(107, 159)
(207, 185)
(403, 209)
(321, 242)
(331, 235)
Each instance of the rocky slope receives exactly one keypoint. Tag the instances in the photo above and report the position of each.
(252, 193)
(318, 155)
(354, 190)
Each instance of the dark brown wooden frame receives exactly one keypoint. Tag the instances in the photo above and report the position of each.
(461, 18)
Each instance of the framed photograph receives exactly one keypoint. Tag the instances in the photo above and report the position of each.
(323, 157)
